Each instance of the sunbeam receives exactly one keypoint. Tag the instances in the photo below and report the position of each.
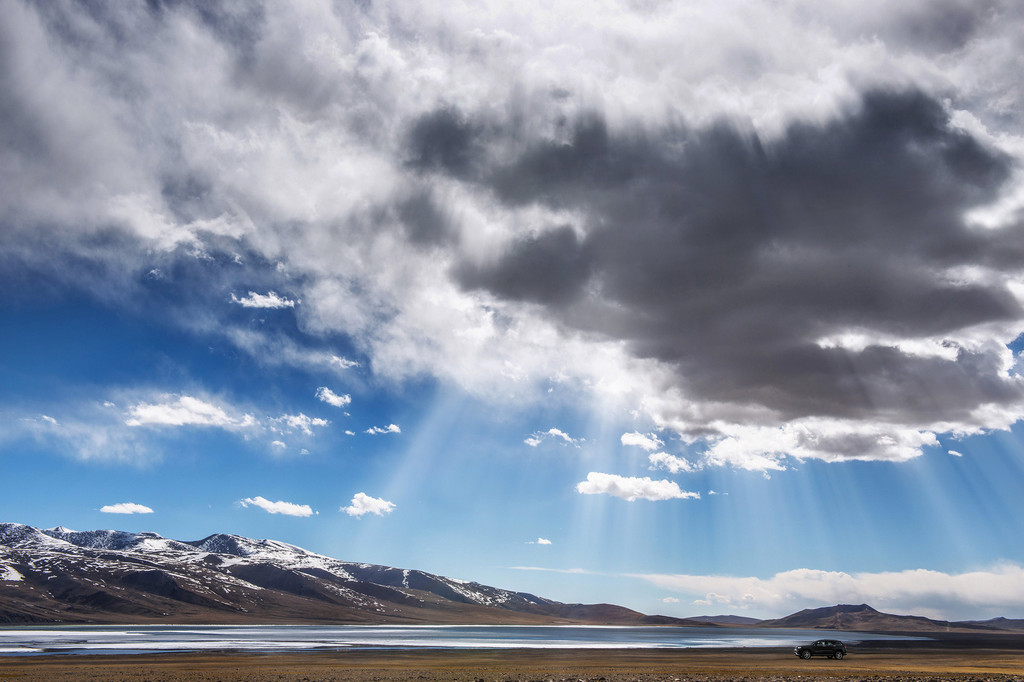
(617, 302)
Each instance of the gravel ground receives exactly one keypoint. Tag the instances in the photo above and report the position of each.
(906, 665)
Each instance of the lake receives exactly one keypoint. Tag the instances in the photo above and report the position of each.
(138, 639)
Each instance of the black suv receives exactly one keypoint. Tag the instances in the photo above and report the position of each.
(832, 648)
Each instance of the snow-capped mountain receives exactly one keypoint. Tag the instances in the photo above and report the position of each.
(62, 575)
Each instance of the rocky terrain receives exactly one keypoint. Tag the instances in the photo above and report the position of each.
(59, 575)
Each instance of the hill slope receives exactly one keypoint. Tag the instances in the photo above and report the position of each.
(727, 619)
(61, 575)
(863, 618)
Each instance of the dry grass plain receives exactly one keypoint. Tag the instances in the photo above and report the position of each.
(907, 664)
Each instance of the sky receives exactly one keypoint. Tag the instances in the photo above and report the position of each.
(694, 307)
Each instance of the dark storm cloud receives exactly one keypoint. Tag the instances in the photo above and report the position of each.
(424, 221)
(102, 24)
(730, 258)
(145, 145)
(239, 24)
(547, 268)
(934, 25)
(444, 140)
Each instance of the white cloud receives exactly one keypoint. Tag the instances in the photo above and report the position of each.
(631, 488)
(539, 437)
(275, 349)
(390, 428)
(343, 362)
(126, 508)
(88, 432)
(671, 463)
(539, 541)
(975, 594)
(649, 442)
(768, 448)
(331, 398)
(670, 600)
(279, 507)
(267, 300)
(99, 430)
(297, 422)
(184, 410)
(956, 454)
(364, 504)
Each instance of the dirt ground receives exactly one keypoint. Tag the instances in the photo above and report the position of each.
(930, 664)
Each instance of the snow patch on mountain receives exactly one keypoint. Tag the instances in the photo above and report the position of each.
(271, 551)
(146, 576)
(20, 535)
(117, 539)
(9, 573)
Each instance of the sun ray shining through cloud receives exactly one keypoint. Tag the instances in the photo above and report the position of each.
(659, 282)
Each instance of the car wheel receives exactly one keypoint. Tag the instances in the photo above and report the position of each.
(839, 655)
(805, 654)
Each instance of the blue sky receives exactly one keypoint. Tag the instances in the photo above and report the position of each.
(687, 308)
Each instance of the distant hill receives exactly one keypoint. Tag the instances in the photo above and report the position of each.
(726, 620)
(863, 618)
(59, 575)
(999, 623)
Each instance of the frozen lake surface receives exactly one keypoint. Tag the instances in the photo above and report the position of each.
(113, 639)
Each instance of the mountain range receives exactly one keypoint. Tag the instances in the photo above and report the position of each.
(106, 576)
(58, 575)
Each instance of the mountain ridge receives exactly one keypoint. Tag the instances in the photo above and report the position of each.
(63, 575)
(727, 619)
(60, 575)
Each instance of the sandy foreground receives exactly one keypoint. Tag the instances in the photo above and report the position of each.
(906, 664)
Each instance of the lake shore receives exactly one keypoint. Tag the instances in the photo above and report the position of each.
(1000, 660)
